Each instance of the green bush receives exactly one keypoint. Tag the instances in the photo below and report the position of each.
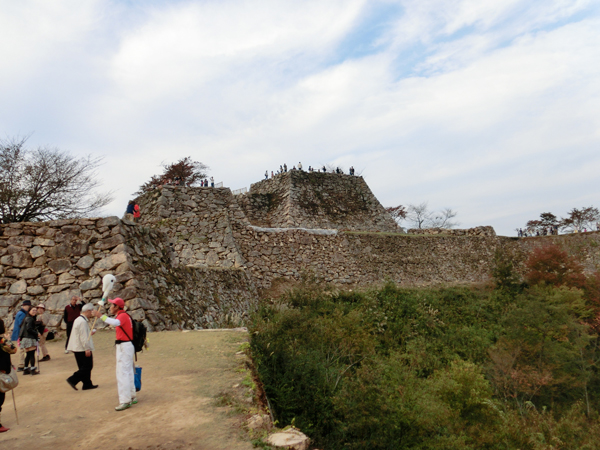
(431, 368)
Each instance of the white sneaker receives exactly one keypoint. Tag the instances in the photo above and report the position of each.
(66, 352)
(122, 406)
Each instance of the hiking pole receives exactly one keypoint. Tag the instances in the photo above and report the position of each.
(15, 405)
(108, 281)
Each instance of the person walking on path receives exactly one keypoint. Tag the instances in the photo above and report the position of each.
(82, 346)
(42, 323)
(72, 312)
(25, 307)
(125, 352)
(7, 348)
(29, 336)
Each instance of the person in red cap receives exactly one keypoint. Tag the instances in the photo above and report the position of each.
(125, 352)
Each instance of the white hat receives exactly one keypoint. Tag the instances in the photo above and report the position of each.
(88, 307)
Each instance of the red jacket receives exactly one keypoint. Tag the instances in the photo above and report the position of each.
(125, 327)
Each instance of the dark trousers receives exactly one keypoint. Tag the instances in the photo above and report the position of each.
(69, 328)
(85, 364)
(2, 397)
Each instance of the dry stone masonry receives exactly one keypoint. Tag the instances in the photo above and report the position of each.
(200, 257)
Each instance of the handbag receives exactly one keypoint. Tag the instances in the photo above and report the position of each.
(8, 381)
(137, 378)
(50, 336)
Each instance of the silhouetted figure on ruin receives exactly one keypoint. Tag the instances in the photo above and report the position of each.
(129, 210)
(212, 182)
(284, 167)
(351, 170)
(266, 174)
(324, 169)
(271, 174)
(299, 166)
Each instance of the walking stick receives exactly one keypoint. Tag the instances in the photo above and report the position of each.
(15, 405)
(108, 281)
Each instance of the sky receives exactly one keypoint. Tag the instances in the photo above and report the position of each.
(491, 108)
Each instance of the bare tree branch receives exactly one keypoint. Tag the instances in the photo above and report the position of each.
(46, 184)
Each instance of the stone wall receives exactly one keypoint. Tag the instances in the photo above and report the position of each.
(196, 260)
(52, 261)
(315, 200)
(197, 222)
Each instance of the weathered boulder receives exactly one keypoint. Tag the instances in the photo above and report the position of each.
(57, 302)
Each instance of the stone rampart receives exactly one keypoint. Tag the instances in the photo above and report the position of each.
(197, 260)
(315, 200)
(50, 262)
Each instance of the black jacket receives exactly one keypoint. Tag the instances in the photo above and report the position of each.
(29, 328)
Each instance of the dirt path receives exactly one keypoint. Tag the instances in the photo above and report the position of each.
(182, 374)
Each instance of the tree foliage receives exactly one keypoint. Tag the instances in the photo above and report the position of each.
(578, 219)
(46, 183)
(420, 216)
(553, 266)
(185, 172)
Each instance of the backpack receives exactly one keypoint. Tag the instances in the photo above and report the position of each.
(139, 334)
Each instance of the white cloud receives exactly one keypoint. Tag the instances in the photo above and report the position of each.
(494, 113)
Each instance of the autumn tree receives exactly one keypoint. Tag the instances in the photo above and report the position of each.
(186, 171)
(398, 213)
(578, 219)
(46, 183)
(553, 266)
(546, 220)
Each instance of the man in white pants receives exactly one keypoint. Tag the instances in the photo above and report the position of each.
(125, 352)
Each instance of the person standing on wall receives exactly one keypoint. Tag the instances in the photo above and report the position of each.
(212, 182)
(136, 213)
(42, 323)
(129, 210)
(82, 346)
(125, 352)
(72, 312)
(25, 307)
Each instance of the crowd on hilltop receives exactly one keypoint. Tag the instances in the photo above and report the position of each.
(546, 231)
(284, 168)
(551, 231)
(178, 181)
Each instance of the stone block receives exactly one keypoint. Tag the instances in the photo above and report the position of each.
(37, 251)
(55, 319)
(92, 283)
(94, 293)
(59, 251)
(137, 314)
(110, 242)
(58, 288)
(9, 301)
(126, 293)
(43, 242)
(108, 263)
(66, 278)
(30, 273)
(20, 287)
(20, 259)
(60, 265)
(108, 222)
(21, 241)
(57, 302)
(35, 290)
(46, 280)
(85, 262)
(79, 248)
